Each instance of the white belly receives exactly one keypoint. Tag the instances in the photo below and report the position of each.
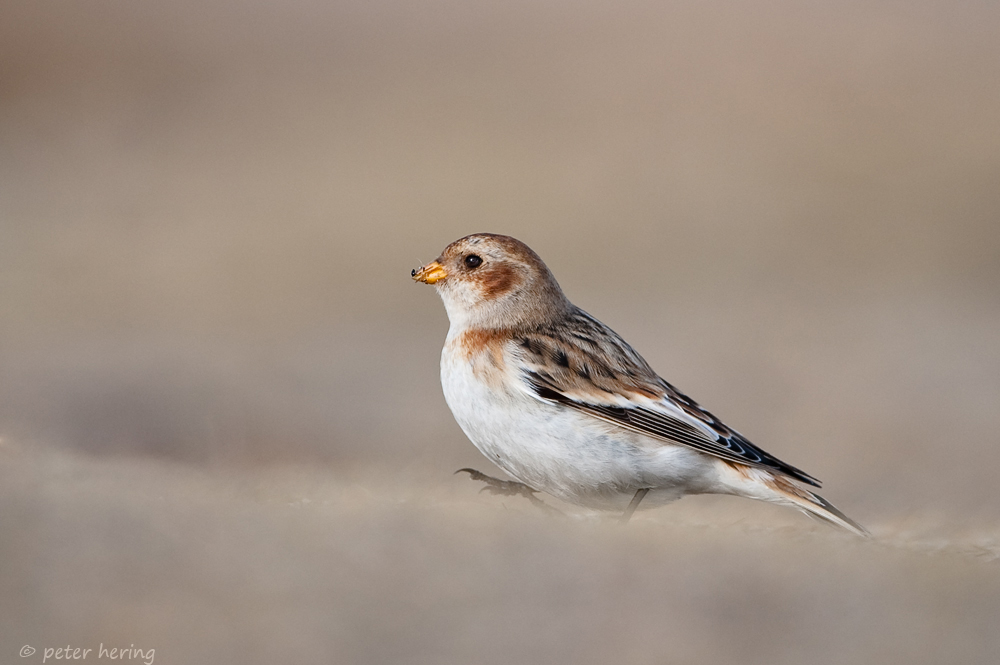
(566, 453)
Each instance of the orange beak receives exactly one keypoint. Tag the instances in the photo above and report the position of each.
(430, 273)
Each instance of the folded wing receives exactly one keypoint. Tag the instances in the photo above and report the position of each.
(584, 365)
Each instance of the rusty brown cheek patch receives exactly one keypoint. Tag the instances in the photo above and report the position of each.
(497, 281)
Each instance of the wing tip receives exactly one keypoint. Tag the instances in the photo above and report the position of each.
(800, 475)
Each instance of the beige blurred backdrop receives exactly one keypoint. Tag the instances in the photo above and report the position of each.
(223, 435)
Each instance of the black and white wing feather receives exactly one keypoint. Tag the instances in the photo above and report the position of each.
(582, 364)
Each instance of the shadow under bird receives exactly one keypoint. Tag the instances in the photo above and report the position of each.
(565, 406)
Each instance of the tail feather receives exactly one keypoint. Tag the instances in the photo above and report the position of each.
(816, 506)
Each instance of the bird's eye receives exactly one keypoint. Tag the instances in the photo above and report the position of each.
(472, 261)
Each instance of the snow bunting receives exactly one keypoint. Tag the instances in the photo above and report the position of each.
(565, 406)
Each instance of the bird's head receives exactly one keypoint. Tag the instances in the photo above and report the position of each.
(491, 281)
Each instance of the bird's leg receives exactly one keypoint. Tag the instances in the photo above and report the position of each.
(639, 494)
(507, 488)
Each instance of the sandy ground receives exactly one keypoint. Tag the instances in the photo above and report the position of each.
(222, 435)
(296, 565)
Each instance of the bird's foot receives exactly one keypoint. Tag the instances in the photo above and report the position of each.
(508, 488)
(501, 487)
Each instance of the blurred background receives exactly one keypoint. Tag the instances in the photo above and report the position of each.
(222, 433)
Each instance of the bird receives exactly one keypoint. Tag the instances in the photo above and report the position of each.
(565, 406)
